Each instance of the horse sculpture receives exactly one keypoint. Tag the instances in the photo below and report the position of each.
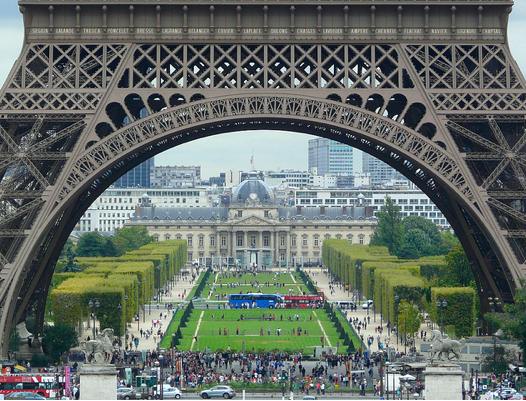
(442, 346)
(100, 349)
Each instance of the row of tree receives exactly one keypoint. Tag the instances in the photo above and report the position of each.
(95, 244)
(411, 237)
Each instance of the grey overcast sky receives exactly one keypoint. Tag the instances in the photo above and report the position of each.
(272, 150)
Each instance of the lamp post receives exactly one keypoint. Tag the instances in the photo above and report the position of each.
(397, 299)
(493, 303)
(93, 304)
(441, 306)
(119, 308)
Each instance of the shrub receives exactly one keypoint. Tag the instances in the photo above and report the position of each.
(460, 310)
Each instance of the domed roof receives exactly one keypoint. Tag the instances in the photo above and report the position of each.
(253, 190)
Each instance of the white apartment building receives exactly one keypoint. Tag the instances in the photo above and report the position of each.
(290, 178)
(412, 202)
(116, 206)
(323, 181)
(175, 176)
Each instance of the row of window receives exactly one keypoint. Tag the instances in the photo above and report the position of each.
(252, 239)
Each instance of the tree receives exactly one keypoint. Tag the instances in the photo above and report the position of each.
(58, 339)
(513, 320)
(130, 238)
(14, 341)
(458, 272)
(415, 244)
(69, 247)
(94, 244)
(498, 361)
(449, 241)
(409, 320)
(389, 229)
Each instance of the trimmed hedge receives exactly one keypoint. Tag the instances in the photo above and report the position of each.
(344, 260)
(128, 281)
(459, 312)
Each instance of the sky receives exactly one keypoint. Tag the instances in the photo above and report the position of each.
(272, 150)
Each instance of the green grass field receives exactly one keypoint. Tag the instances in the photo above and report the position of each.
(212, 326)
(224, 329)
(221, 285)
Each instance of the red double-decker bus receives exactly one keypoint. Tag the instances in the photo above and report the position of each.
(304, 301)
(44, 385)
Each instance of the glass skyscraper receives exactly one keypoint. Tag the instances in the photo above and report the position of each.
(330, 157)
(138, 177)
(379, 171)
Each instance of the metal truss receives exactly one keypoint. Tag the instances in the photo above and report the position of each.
(97, 90)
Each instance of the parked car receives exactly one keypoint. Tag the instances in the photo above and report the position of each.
(169, 392)
(507, 393)
(23, 395)
(367, 304)
(225, 392)
(126, 393)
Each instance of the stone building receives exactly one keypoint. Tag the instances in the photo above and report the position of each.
(254, 230)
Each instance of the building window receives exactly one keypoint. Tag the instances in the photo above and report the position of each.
(361, 238)
(282, 240)
(178, 237)
(167, 237)
(190, 240)
(223, 240)
(293, 240)
(316, 241)
(349, 238)
(239, 213)
(212, 240)
(201, 241)
(267, 213)
(252, 240)
(266, 240)
(338, 236)
(304, 241)
(239, 239)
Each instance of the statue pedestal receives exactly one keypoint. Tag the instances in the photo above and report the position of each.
(443, 382)
(98, 382)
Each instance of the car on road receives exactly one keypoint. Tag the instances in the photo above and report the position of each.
(126, 393)
(506, 393)
(367, 304)
(225, 392)
(170, 393)
(24, 395)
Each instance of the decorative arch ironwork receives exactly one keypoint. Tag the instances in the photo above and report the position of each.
(96, 91)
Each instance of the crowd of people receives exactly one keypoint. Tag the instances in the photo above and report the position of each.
(194, 369)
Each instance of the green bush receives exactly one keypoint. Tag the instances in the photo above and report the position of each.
(460, 310)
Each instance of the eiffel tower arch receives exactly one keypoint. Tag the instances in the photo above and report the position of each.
(428, 86)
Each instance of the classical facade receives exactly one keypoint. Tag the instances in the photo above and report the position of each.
(253, 230)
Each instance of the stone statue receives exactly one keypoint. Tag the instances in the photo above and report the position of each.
(443, 347)
(100, 350)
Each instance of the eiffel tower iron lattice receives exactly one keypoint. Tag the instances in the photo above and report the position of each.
(428, 86)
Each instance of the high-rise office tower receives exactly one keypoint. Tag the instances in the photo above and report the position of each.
(330, 157)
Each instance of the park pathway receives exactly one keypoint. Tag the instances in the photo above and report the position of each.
(321, 280)
(174, 296)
